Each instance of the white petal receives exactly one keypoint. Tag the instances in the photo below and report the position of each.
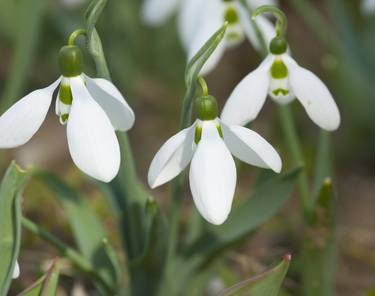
(172, 158)
(313, 95)
(212, 22)
(16, 271)
(250, 147)
(156, 12)
(249, 96)
(112, 102)
(92, 140)
(212, 176)
(191, 15)
(368, 7)
(266, 28)
(21, 121)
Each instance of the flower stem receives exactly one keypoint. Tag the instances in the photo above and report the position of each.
(203, 85)
(76, 258)
(291, 135)
(75, 35)
(281, 23)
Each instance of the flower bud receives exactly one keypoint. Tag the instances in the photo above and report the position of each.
(206, 107)
(70, 61)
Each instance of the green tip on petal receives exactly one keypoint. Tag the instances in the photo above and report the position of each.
(70, 61)
(206, 107)
(279, 70)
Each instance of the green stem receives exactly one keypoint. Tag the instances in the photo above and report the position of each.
(291, 135)
(203, 85)
(76, 258)
(74, 36)
(281, 23)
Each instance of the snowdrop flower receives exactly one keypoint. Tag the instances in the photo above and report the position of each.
(16, 271)
(209, 16)
(92, 109)
(208, 145)
(280, 77)
(368, 7)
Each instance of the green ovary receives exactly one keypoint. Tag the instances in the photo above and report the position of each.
(231, 15)
(279, 70)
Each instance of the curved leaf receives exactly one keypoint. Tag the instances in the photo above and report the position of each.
(10, 230)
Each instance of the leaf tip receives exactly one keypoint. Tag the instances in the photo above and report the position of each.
(287, 257)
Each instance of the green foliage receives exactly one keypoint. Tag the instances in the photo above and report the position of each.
(264, 284)
(46, 285)
(88, 231)
(10, 230)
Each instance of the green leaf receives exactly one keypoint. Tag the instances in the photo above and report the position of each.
(29, 20)
(264, 284)
(266, 199)
(93, 12)
(149, 266)
(10, 230)
(46, 285)
(319, 246)
(88, 231)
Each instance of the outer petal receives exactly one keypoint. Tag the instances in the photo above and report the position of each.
(265, 26)
(91, 137)
(21, 121)
(156, 12)
(249, 96)
(212, 176)
(16, 271)
(112, 102)
(191, 15)
(212, 22)
(313, 95)
(256, 3)
(172, 158)
(250, 147)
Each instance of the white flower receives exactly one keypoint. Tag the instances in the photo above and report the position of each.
(209, 145)
(199, 20)
(16, 271)
(368, 7)
(93, 110)
(284, 80)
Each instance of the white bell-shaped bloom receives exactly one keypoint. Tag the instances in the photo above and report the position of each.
(199, 20)
(93, 110)
(368, 7)
(16, 271)
(209, 145)
(284, 80)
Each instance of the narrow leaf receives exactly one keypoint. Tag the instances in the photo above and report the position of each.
(46, 285)
(265, 284)
(319, 246)
(10, 230)
(88, 231)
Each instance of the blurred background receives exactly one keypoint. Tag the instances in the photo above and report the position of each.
(335, 39)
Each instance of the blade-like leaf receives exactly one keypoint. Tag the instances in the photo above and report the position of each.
(88, 231)
(266, 199)
(10, 229)
(265, 284)
(46, 285)
(319, 250)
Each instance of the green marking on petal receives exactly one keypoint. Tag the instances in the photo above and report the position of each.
(281, 91)
(220, 131)
(198, 134)
(64, 118)
(231, 15)
(65, 94)
(279, 70)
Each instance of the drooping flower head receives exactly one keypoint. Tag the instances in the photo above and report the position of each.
(280, 77)
(198, 20)
(92, 109)
(208, 145)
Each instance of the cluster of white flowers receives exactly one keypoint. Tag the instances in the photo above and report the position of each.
(93, 109)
